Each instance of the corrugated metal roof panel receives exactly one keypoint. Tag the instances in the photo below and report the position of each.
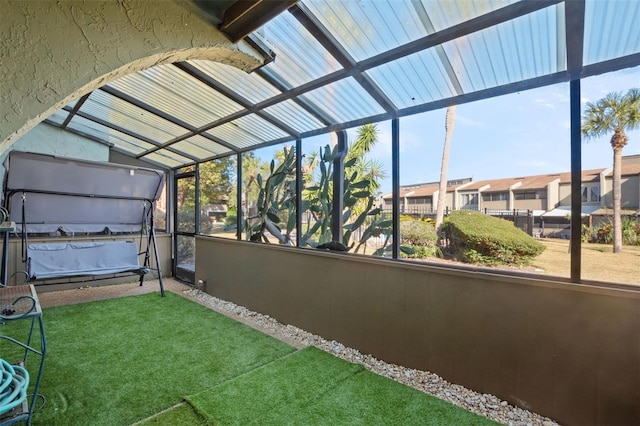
(250, 86)
(445, 14)
(171, 90)
(295, 116)
(200, 147)
(247, 131)
(516, 50)
(369, 27)
(612, 29)
(167, 158)
(300, 58)
(519, 43)
(119, 140)
(414, 79)
(111, 109)
(345, 100)
(256, 129)
(58, 117)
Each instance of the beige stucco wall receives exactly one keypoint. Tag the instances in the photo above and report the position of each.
(530, 204)
(553, 196)
(630, 198)
(494, 205)
(450, 201)
(564, 194)
(52, 52)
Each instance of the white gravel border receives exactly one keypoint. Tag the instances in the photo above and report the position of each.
(483, 404)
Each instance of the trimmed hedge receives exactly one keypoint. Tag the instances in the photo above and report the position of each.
(421, 236)
(478, 238)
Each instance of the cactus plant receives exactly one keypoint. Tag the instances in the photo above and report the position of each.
(276, 215)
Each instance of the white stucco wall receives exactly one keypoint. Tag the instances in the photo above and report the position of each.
(52, 52)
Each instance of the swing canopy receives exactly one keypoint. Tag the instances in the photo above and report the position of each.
(45, 193)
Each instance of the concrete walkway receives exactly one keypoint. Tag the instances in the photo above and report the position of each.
(88, 293)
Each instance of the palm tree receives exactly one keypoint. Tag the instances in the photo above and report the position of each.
(442, 190)
(614, 113)
(372, 169)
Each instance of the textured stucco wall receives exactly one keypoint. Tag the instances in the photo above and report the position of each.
(630, 197)
(52, 52)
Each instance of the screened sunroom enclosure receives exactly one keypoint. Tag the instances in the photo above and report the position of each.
(331, 66)
(555, 345)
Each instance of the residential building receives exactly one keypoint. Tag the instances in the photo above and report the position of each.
(547, 197)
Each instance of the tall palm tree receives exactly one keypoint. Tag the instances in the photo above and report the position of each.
(442, 190)
(614, 113)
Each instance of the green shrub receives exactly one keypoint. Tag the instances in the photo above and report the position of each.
(603, 233)
(586, 233)
(417, 233)
(420, 236)
(630, 233)
(478, 238)
(420, 252)
(406, 217)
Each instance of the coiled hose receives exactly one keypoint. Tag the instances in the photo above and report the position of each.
(13, 386)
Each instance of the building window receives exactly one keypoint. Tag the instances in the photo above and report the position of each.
(590, 194)
(530, 195)
(418, 200)
(495, 196)
(525, 195)
(469, 199)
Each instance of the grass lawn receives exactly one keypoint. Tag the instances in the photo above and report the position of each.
(598, 261)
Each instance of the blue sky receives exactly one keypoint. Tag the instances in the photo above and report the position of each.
(525, 133)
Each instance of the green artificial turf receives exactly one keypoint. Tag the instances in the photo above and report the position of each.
(118, 361)
(312, 387)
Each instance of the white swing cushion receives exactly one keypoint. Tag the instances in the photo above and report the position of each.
(56, 260)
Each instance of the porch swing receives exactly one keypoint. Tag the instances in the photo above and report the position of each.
(45, 194)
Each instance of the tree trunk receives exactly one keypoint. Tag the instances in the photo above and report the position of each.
(442, 190)
(617, 193)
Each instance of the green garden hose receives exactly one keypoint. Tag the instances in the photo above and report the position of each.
(13, 386)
